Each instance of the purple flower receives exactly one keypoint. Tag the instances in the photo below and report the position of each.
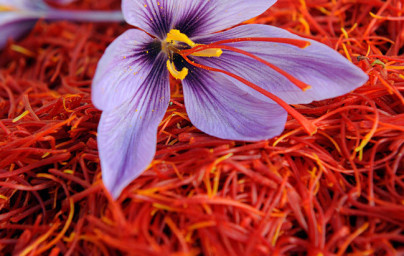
(19, 16)
(220, 73)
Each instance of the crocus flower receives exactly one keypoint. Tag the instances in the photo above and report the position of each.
(19, 16)
(226, 76)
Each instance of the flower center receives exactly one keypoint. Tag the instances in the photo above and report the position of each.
(177, 41)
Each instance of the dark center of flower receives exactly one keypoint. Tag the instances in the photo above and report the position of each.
(177, 41)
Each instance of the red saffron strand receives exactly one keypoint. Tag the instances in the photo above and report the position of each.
(308, 126)
(300, 84)
(187, 181)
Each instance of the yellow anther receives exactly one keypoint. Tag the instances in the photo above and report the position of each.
(213, 52)
(170, 46)
(5, 8)
(175, 73)
(176, 35)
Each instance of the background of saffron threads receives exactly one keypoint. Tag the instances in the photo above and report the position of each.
(338, 192)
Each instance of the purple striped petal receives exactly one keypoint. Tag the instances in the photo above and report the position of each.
(200, 17)
(219, 108)
(127, 133)
(158, 17)
(125, 65)
(327, 71)
(155, 17)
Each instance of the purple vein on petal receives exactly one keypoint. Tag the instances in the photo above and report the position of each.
(325, 70)
(124, 66)
(127, 134)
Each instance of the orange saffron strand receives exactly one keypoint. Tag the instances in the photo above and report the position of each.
(303, 86)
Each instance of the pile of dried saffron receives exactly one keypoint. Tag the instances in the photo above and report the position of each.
(338, 192)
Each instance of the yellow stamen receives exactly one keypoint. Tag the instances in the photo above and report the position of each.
(176, 35)
(175, 73)
(173, 38)
(213, 52)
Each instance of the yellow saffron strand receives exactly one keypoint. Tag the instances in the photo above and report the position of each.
(175, 36)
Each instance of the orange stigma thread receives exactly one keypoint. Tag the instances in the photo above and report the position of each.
(303, 86)
(308, 125)
(295, 42)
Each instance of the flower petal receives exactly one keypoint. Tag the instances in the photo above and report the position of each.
(13, 25)
(127, 133)
(23, 5)
(200, 17)
(325, 70)
(219, 108)
(125, 65)
(155, 17)
(190, 17)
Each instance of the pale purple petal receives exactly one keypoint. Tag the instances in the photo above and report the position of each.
(13, 25)
(127, 134)
(155, 17)
(18, 17)
(24, 4)
(158, 17)
(200, 17)
(328, 72)
(125, 65)
(219, 108)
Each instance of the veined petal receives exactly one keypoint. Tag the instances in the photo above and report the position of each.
(325, 70)
(127, 133)
(158, 17)
(153, 16)
(219, 108)
(125, 65)
(200, 17)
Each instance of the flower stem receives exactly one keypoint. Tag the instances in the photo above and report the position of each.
(94, 16)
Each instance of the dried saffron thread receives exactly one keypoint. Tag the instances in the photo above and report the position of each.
(211, 228)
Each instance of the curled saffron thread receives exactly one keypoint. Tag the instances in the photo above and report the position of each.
(276, 232)
(300, 84)
(308, 125)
